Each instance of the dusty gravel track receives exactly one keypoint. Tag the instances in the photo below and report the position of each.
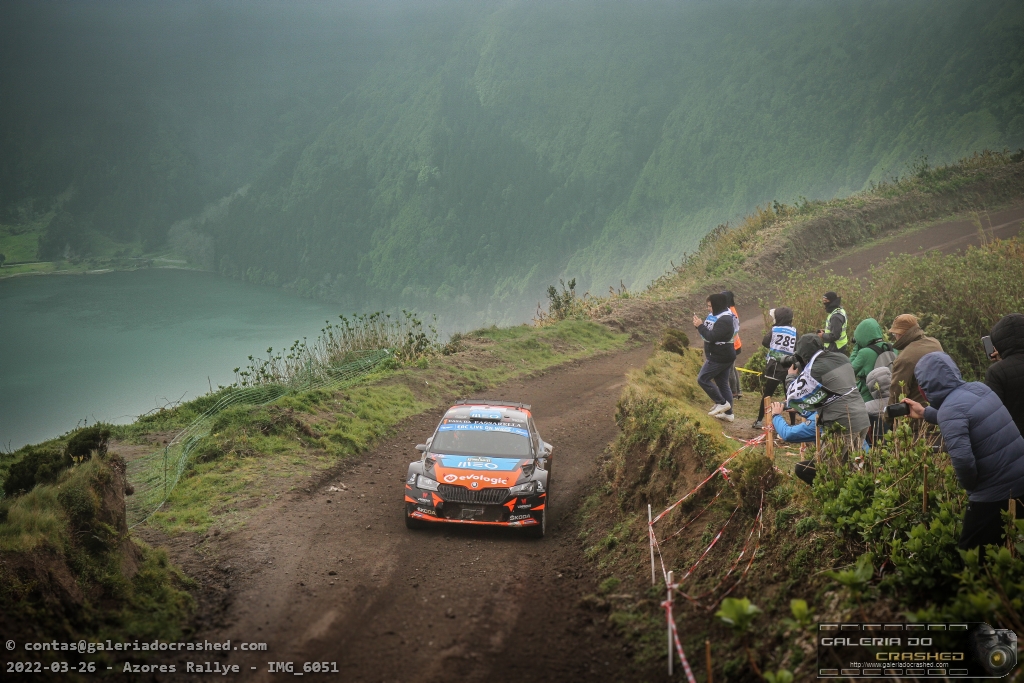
(456, 603)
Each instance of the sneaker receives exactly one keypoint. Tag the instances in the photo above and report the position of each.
(757, 425)
(728, 417)
(720, 408)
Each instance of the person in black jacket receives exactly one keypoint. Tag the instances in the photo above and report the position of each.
(717, 331)
(1006, 378)
(780, 342)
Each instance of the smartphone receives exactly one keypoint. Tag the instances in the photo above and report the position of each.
(989, 349)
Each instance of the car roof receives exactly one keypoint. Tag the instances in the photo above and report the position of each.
(487, 412)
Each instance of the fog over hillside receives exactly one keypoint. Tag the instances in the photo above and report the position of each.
(460, 156)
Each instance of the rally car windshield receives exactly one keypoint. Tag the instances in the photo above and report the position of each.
(482, 439)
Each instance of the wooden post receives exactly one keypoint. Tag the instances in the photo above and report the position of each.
(817, 441)
(671, 657)
(769, 434)
(1011, 531)
(707, 656)
(650, 540)
(924, 492)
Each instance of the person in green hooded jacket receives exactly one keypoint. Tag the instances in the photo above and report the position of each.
(869, 344)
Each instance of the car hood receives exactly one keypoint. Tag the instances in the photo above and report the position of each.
(478, 472)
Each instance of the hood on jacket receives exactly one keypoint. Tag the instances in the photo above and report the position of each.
(937, 376)
(832, 301)
(911, 335)
(719, 303)
(730, 298)
(807, 346)
(868, 332)
(878, 382)
(783, 316)
(1008, 335)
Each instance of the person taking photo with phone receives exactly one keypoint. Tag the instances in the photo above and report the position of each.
(717, 331)
(984, 445)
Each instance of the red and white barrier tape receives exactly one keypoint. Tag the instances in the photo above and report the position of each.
(674, 632)
(712, 545)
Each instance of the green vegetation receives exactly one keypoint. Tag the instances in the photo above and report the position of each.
(459, 157)
(957, 298)
(68, 569)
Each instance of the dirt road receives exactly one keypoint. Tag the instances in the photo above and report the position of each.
(336, 576)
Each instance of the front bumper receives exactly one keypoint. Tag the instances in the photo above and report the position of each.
(518, 511)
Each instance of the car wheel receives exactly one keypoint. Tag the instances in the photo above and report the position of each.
(537, 531)
(413, 523)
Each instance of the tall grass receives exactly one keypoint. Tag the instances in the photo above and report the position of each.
(338, 344)
(956, 297)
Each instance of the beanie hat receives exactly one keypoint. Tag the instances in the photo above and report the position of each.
(902, 323)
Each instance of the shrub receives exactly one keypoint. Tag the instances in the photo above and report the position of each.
(956, 297)
(39, 465)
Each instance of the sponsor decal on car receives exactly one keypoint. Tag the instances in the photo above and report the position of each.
(426, 511)
(450, 478)
(522, 506)
(463, 462)
(485, 414)
(475, 427)
(516, 518)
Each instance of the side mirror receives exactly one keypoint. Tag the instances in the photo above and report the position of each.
(421, 447)
(547, 448)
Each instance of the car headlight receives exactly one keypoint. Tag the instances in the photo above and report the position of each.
(425, 483)
(521, 489)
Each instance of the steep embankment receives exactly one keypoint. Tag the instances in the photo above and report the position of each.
(458, 156)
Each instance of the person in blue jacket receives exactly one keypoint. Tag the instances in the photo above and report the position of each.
(801, 433)
(718, 334)
(984, 445)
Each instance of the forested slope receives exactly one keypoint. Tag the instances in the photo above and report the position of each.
(460, 156)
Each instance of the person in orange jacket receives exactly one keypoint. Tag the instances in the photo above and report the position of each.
(734, 377)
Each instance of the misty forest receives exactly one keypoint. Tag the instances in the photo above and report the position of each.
(458, 157)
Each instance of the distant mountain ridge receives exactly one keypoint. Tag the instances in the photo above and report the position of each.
(472, 153)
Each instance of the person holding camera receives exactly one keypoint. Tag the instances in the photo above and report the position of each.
(826, 384)
(912, 344)
(836, 322)
(780, 342)
(984, 445)
(799, 433)
(717, 331)
(1006, 376)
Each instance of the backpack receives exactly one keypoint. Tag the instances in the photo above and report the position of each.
(885, 355)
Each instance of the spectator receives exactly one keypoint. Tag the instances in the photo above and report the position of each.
(912, 344)
(1006, 377)
(780, 342)
(734, 376)
(878, 382)
(984, 444)
(870, 351)
(834, 335)
(826, 385)
(717, 331)
(801, 433)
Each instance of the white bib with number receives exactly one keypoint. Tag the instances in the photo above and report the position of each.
(807, 393)
(782, 342)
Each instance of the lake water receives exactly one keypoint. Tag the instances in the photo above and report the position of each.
(110, 347)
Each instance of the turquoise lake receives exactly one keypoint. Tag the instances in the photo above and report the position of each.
(112, 346)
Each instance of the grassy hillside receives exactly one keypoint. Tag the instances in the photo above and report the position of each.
(460, 157)
(874, 542)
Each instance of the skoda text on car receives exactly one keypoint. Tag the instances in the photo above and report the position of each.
(485, 464)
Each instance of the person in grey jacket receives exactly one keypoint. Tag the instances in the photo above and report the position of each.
(826, 384)
(984, 445)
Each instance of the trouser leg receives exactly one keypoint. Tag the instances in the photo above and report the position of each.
(983, 524)
(770, 385)
(705, 379)
(722, 380)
